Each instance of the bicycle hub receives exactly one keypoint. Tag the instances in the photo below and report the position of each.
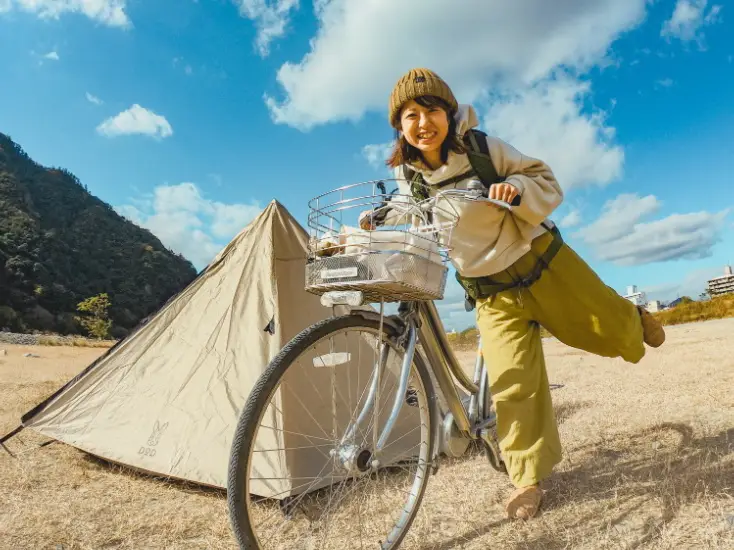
(353, 459)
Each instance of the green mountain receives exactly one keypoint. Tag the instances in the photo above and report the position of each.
(59, 245)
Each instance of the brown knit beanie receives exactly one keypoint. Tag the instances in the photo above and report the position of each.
(416, 83)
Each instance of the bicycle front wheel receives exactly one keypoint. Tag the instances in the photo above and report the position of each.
(306, 470)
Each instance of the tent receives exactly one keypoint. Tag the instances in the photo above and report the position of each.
(166, 399)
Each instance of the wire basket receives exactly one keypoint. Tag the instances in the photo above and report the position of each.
(401, 258)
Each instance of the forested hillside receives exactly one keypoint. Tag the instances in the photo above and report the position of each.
(60, 245)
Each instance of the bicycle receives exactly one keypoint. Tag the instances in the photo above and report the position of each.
(326, 465)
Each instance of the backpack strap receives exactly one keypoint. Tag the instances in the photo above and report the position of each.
(479, 157)
(481, 162)
(417, 187)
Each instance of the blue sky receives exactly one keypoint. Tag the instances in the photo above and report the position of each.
(190, 116)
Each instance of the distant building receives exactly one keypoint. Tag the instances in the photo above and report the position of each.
(636, 297)
(723, 284)
(653, 306)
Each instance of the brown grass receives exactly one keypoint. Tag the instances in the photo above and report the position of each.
(648, 463)
(75, 341)
(467, 339)
(717, 308)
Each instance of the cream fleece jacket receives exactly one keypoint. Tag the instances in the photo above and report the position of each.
(486, 239)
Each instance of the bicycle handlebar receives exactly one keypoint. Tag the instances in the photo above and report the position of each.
(482, 196)
(378, 215)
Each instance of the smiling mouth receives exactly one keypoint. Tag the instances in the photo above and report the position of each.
(427, 135)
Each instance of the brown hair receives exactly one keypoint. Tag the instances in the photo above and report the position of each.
(403, 152)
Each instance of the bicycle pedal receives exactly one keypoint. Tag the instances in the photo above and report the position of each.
(492, 449)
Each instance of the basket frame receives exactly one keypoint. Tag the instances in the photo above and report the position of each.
(416, 233)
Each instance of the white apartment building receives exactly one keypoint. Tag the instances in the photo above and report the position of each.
(723, 284)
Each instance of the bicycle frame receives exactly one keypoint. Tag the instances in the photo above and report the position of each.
(423, 325)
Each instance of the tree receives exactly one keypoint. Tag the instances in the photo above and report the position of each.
(95, 321)
(59, 244)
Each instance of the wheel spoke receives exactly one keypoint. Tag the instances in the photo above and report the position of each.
(330, 495)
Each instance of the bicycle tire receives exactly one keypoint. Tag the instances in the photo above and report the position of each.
(257, 402)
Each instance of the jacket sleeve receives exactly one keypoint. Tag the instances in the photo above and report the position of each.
(541, 193)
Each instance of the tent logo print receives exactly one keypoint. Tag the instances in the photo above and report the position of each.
(153, 439)
(155, 436)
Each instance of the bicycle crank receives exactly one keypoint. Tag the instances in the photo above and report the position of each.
(492, 448)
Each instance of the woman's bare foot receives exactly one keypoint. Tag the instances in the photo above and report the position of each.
(524, 502)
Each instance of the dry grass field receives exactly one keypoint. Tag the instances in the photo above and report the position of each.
(648, 463)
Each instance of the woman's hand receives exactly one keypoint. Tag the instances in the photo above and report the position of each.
(505, 192)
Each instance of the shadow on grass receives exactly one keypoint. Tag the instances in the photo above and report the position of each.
(181, 484)
(644, 478)
(651, 474)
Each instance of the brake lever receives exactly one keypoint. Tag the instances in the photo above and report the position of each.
(502, 204)
(483, 192)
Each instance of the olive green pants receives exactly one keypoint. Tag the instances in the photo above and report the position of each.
(574, 305)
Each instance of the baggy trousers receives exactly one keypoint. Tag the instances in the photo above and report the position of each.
(576, 307)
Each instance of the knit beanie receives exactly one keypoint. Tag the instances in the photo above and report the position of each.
(416, 83)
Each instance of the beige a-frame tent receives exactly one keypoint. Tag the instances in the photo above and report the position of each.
(167, 398)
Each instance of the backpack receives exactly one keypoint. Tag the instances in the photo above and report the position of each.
(482, 166)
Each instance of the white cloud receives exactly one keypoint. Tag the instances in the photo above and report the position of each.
(618, 217)
(572, 219)
(376, 154)
(229, 219)
(547, 121)
(363, 46)
(136, 120)
(53, 56)
(188, 223)
(692, 285)
(665, 82)
(94, 99)
(271, 18)
(620, 236)
(109, 12)
(688, 18)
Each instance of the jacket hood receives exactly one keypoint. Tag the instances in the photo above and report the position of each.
(466, 119)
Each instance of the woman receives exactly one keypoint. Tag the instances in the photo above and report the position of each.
(493, 250)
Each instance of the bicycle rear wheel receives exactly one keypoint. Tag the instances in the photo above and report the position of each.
(298, 476)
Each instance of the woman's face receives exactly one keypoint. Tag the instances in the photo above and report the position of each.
(425, 128)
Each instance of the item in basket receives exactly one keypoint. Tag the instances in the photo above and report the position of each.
(413, 270)
(391, 241)
(331, 243)
(328, 245)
